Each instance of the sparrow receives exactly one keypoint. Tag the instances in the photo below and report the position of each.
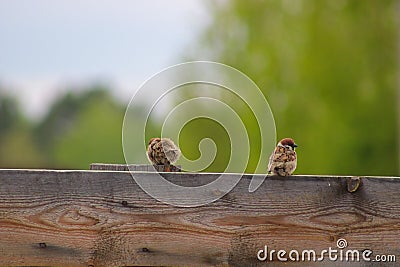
(283, 160)
(163, 151)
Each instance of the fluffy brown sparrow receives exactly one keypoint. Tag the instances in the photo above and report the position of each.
(163, 151)
(283, 160)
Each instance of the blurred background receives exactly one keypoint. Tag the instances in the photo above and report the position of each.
(329, 70)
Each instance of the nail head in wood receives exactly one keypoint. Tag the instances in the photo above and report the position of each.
(145, 250)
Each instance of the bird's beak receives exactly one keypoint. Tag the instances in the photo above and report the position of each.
(295, 145)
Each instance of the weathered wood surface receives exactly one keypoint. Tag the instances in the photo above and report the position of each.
(133, 167)
(100, 218)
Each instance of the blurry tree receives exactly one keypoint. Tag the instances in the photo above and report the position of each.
(58, 120)
(10, 114)
(328, 70)
(63, 114)
(17, 147)
(19, 150)
(95, 133)
(82, 128)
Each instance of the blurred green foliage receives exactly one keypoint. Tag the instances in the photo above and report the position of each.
(97, 130)
(79, 129)
(328, 70)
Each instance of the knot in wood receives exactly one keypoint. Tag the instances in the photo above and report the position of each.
(353, 183)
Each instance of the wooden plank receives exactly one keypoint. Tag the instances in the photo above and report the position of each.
(134, 167)
(101, 218)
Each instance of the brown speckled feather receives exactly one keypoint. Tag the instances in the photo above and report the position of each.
(283, 161)
(162, 151)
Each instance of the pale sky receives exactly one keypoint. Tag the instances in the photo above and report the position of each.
(47, 46)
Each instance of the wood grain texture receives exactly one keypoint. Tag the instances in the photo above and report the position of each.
(103, 218)
(133, 167)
